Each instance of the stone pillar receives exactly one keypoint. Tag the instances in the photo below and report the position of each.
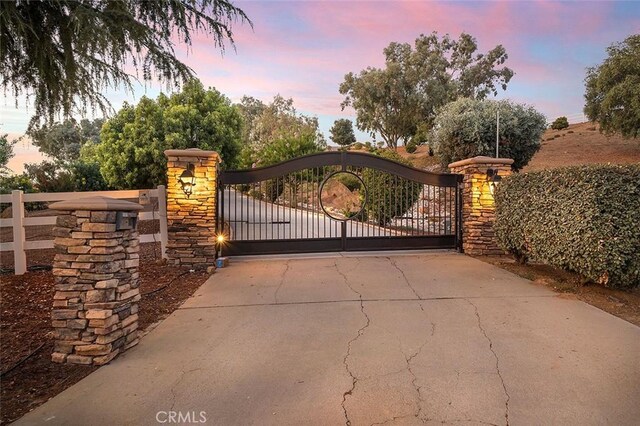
(191, 219)
(95, 307)
(478, 207)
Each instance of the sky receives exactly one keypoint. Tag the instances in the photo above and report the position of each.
(303, 49)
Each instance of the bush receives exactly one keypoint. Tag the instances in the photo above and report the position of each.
(584, 219)
(411, 147)
(388, 196)
(560, 123)
(350, 181)
(467, 128)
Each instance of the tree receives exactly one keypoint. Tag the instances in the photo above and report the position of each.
(65, 52)
(285, 149)
(407, 93)
(6, 153)
(48, 176)
(342, 132)
(63, 141)
(560, 123)
(288, 148)
(467, 128)
(131, 151)
(267, 123)
(613, 89)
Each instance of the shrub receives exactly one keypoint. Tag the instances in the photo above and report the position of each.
(350, 181)
(388, 196)
(411, 147)
(467, 127)
(357, 146)
(560, 123)
(584, 219)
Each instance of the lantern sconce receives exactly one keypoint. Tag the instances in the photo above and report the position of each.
(493, 178)
(188, 180)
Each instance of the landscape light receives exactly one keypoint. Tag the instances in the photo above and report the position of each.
(188, 180)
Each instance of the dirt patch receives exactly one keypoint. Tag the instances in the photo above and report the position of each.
(26, 326)
(624, 304)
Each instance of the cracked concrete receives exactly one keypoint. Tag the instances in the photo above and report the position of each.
(282, 278)
(345, 361)
(484, 333)
(388, 339)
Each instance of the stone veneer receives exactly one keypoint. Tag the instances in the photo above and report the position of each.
(191, 220)
(478, 207)
(95, 306)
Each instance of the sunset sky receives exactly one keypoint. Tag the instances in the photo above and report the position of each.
(303, 49)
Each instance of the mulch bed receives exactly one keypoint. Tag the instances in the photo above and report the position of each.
(25, 325)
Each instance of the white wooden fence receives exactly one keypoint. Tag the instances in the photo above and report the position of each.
(18, 221)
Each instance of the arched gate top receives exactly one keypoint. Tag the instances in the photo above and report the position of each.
(343, 159)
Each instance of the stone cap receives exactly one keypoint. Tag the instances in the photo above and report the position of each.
(481, 160)
(191, 152)
(96, 203)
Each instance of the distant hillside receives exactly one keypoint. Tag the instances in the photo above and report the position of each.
(583, 144)
(578, 144)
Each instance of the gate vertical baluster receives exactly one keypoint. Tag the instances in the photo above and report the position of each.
(253, 213)
(439, 210)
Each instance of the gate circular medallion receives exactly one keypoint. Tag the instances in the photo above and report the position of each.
(342, 195)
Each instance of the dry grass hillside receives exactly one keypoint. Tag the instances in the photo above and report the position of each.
(578, 144)
(583, 144)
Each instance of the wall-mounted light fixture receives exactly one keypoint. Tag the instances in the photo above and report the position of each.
(493, 178)
(188, 180)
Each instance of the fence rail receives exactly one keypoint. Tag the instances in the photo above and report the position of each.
(18, 221)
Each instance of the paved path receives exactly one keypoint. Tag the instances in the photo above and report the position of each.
(402, 340)
(252, 219)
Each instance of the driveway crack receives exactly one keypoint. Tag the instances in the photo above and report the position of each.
(346, 280)
(345, 360)
(406, 280)
(393, 419)
(495, 355)
(408, 359)
(286, 269)
(175, 385)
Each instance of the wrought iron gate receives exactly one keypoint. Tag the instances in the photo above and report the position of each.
(337, 201)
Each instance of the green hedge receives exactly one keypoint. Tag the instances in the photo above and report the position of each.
(584, 219)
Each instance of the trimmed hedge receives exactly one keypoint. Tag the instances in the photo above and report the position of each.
(584, 219)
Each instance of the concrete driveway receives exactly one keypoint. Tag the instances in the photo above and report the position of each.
(406, 339)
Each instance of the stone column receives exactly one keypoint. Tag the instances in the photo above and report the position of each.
(191, 219)
(95, 307)
(478, 207)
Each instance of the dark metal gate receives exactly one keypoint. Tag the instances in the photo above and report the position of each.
(337, 201)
